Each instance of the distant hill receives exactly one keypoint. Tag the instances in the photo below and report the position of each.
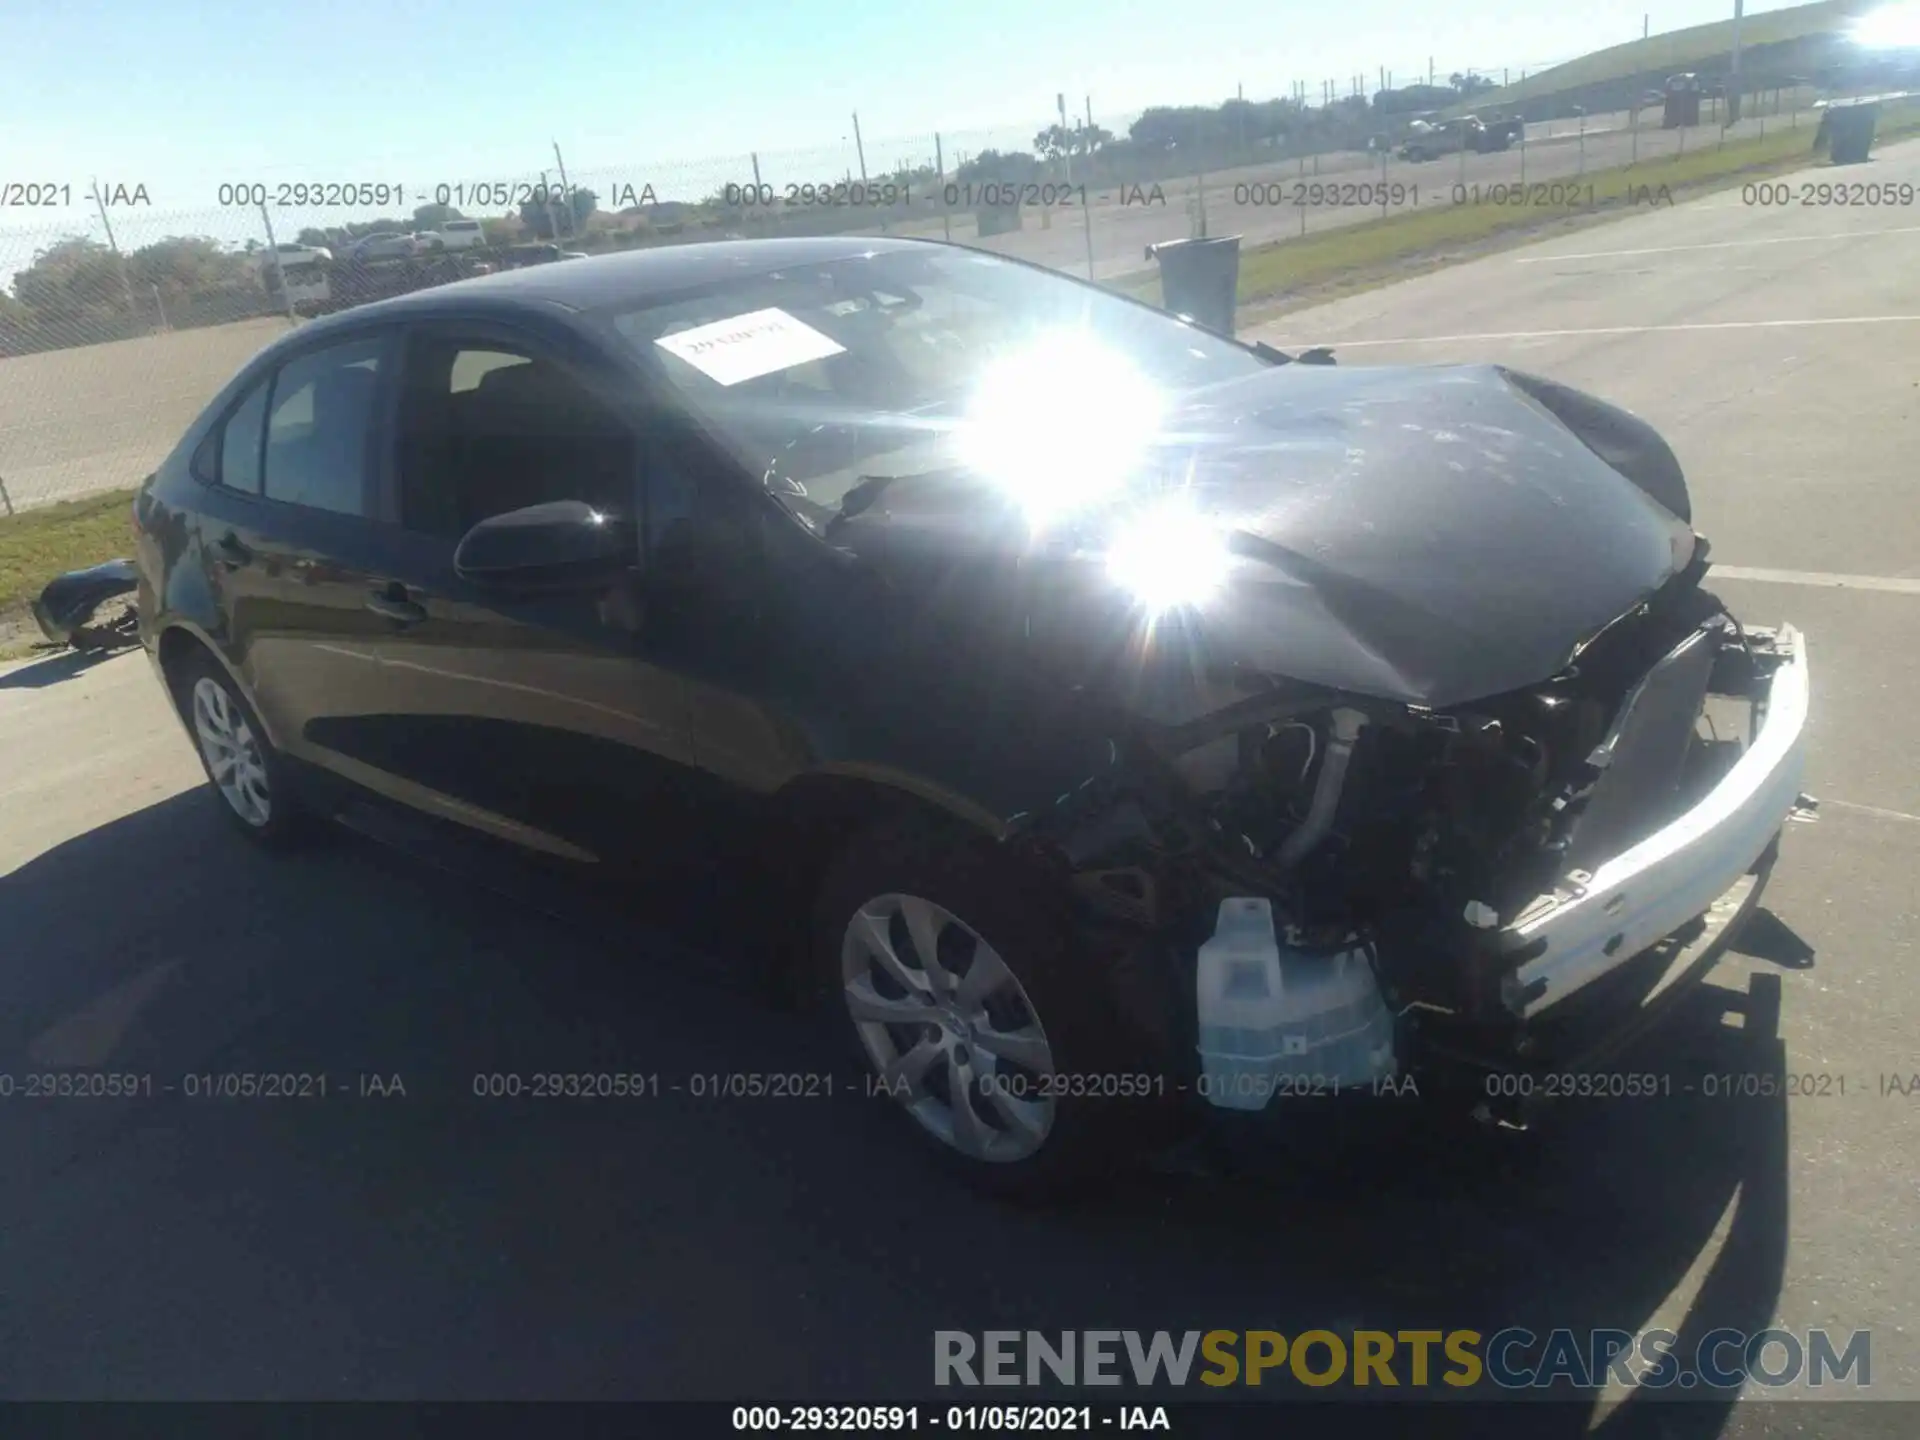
(1694, 48)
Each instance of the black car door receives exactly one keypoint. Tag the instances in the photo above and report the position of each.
(285, 528)
(538, 717)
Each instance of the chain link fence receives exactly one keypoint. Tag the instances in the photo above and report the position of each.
(122, 316)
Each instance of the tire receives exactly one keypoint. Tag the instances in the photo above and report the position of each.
(264, 805)
(1018, 1139)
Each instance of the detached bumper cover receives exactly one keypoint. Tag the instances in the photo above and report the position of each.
(69, 600)
(1595, 923)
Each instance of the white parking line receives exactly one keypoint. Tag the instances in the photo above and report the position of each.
(1603, 330)
(1715, 245)
(1877, 810)
(1891, 584)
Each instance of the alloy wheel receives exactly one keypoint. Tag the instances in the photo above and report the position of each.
(232, 752)
(949, 1029)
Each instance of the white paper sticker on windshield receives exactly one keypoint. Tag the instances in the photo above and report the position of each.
(746, 346)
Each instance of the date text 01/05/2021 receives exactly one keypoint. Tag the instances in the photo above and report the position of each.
(503, 194)
(963, 1419)
(97, 1085)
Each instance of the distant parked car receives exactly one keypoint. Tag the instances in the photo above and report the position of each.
(289, 252)
(382, 245)
(1446, 138)
(457, 235)
(1497, 132)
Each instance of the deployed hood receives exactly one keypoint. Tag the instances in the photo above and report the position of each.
(1426, 534)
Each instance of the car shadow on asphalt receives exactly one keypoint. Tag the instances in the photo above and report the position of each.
(795, 1249)
(52, 669)
(1767, 937)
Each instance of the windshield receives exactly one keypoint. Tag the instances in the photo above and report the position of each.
(903, 362)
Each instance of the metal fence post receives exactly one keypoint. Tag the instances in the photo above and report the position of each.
(273, 260)
(120, 261)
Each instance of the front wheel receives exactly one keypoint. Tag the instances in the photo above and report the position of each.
(958, 984)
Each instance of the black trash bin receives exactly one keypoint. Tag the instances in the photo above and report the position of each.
(1850, 132)
(1199, 279)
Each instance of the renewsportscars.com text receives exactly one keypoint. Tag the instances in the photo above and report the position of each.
(1515, 1358)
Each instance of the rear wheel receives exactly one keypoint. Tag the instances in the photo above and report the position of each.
(244, 769)
(956, 981)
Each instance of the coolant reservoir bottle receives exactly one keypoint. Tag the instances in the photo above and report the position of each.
(1272, 1013)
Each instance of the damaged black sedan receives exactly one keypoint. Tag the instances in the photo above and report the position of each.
(1140, 724)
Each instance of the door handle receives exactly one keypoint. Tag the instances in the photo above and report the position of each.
(231, 552)
(390, 602)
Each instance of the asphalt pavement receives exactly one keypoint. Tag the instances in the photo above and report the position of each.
(439, 1244)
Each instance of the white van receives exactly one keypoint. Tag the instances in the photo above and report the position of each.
(458, 235)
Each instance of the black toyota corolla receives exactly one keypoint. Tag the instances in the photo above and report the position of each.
(1142, 725)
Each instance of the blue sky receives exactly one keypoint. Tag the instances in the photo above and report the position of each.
(184, 94)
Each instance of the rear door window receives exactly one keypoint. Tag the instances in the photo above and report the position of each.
(320, 426)
(240, 443)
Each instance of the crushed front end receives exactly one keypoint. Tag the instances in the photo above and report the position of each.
(1529, 879)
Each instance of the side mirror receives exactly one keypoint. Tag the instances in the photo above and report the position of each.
(559, 545)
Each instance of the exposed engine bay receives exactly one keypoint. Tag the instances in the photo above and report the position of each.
(1417, 835)
(1354, 812)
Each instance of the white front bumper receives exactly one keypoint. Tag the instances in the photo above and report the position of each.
(1594, 923)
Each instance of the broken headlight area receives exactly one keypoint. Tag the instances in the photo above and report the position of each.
(1399, 852)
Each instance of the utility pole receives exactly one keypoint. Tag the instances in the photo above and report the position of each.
(1733, 74)
(566, 190)
(120, 261)
(860, 148)
(546, 195)
(1086, 201)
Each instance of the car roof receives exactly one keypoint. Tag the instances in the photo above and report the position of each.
(628, 278)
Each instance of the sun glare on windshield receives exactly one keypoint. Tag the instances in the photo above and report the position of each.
(1060, 423)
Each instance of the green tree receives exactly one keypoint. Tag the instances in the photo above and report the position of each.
(189, 268)
(1011, 167)
(70, 279)
(1057, 141)
(540, 215)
